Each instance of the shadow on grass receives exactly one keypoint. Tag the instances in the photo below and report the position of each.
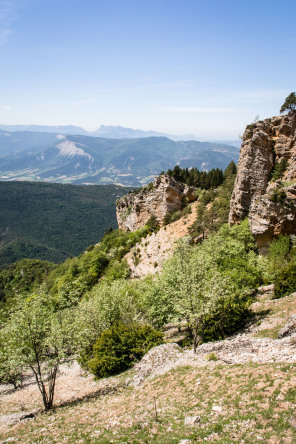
(256, 318)
(100, 392)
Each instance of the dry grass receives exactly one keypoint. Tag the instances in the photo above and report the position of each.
(257, 401)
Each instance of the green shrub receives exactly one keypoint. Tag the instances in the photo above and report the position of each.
(211, 357)
(278, 196)
(285, 280)
(279, 169)
(167, 218)
(152, 223)
(119, 347)
(176, 216)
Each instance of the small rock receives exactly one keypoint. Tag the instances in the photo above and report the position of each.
(289, 328)
(191, 420)
(16, 417)
(280, 397)
(266, 288)
(217, 408)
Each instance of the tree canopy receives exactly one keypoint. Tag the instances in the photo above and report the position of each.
(289, 104)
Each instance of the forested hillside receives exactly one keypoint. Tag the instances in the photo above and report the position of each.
(53, 221)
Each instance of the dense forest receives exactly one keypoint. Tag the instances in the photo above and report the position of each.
(53, 221)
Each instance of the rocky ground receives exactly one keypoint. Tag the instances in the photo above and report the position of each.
(238, 390)
(156, 248)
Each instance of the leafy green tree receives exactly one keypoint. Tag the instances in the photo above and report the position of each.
(289, 104)
(11, 364)
(40, 339)
(107, 304)
(208, 285)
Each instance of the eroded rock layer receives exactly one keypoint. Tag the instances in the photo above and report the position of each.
(270, 204)
(165, 196)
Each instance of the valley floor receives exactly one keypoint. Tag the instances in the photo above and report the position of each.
(239, 390)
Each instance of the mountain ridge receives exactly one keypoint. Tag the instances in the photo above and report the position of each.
(81, 159)
(110, 132)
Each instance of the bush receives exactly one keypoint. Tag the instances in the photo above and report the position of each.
(285, 280)
(279, 169)
(152, 223)
(278, 196)
(119, 347)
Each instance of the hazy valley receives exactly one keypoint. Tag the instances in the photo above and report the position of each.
(79, 159)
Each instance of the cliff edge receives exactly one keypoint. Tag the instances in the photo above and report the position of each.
(265, 187)
(165, 195)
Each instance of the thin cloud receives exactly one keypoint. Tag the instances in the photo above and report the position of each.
(190, 109)
(7, 15)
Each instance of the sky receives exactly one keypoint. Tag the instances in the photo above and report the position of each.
(202, 67)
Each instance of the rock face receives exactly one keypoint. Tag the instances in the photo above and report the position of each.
(270, 205)
(165, 196)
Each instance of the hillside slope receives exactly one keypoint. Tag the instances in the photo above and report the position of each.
(239, 390)
(53, 221)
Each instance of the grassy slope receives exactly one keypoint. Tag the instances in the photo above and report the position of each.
(53, 221)
(257, 401)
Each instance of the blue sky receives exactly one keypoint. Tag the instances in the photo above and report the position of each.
(179, 66)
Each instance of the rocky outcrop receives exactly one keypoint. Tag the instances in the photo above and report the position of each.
(273, 213)
(166, 195)
(269, 204)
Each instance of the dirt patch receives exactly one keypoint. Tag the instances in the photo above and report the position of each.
(156, 248)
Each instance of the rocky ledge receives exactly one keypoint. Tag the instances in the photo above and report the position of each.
(165, 195)
(268, 146)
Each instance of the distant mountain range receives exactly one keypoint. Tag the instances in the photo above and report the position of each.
(78, 159)
(107, 131)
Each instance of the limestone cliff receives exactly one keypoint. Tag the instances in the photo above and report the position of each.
(270, 204)
(166, 195)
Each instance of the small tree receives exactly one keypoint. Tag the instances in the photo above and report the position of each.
(289, 104)
(37, 337)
